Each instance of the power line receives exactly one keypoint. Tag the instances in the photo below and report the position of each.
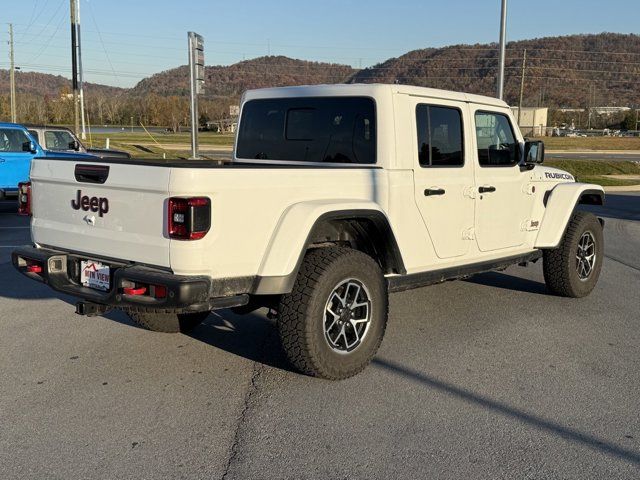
(42, 50)
(102, 42)
(31, 18)
(50, 19)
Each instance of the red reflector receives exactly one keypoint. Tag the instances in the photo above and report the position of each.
(34, 268)
(135, 291)
(159, 291)
(24, 198)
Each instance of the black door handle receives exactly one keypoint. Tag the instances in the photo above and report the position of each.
(487, 189)
(430, 192)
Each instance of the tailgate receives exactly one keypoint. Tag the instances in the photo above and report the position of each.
(110, 210)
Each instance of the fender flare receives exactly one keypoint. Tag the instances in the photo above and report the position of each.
(560, 204)
(295, 232)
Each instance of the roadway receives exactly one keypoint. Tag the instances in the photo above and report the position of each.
(486, 378)
(613, 156)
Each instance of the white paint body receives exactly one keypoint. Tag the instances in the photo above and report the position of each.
(261, 216)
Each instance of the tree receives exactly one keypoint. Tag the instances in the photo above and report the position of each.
(629, 121)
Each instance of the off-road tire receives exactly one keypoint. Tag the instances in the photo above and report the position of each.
(301, 313)
(559, 264)
(168, 322)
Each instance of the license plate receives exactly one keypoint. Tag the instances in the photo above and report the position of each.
(95, 275)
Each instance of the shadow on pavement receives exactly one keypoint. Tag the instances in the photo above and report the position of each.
(249, 336)
(9, 206)
(17, 286)
(566, 433)
(508, 282)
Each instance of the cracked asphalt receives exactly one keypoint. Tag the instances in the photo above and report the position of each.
(486, 378)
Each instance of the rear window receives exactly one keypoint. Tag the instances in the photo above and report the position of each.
(318, 129)
(58, 140)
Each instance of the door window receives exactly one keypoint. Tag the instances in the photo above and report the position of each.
(439, 136)
(497, 145)
(13, 140)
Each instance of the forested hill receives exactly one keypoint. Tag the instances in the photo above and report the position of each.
(47, 85)
(574, 70)
(570, 71)
(231, 81)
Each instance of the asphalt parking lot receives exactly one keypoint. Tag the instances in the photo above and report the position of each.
(486, 378)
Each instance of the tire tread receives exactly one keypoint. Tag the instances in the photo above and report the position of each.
(293, 327)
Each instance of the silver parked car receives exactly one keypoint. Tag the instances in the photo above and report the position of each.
(62, 139)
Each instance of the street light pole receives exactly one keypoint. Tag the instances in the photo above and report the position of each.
(12, 76)
(196, 81)
(74, 67)
(503, 42)
(80, 74)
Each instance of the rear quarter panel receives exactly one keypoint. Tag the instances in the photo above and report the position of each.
(250, 205)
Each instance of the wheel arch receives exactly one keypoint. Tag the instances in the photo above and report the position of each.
(360, 225)
(560, 203)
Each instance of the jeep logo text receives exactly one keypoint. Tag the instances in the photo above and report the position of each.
(94, 204)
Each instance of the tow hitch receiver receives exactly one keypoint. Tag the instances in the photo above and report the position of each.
(91, 309)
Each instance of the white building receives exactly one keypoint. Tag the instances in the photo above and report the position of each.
(533, 122)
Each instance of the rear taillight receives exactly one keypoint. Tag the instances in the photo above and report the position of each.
(189, 218)
(24, 198)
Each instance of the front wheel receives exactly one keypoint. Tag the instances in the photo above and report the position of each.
(333, 321)
(572, 269)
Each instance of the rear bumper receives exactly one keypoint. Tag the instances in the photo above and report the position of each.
(8, 192)
(60, 270)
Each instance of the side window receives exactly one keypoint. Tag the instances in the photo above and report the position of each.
(497, 145)
(34, 134)
(13, 140)
(439, 136)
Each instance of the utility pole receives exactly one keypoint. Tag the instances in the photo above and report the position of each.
(524, 65)
(12, 76)
(80, 74)
(590, 105)
(503, 43)
(74, 66)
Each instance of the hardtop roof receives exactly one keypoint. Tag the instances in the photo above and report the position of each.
(371, 90)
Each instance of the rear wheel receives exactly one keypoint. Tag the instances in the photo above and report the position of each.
(333, 321)
(572, 269)
(168, 322)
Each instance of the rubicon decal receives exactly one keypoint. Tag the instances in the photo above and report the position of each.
(558, 176)
(86, 203)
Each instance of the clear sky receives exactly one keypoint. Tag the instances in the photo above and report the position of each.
(126, 40)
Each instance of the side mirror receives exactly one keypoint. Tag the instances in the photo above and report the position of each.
(75, 145)
(533, 152)
(29, 147)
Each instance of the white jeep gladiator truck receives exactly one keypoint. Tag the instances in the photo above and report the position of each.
(335, 196)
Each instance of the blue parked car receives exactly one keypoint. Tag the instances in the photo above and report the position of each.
(17, 148)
